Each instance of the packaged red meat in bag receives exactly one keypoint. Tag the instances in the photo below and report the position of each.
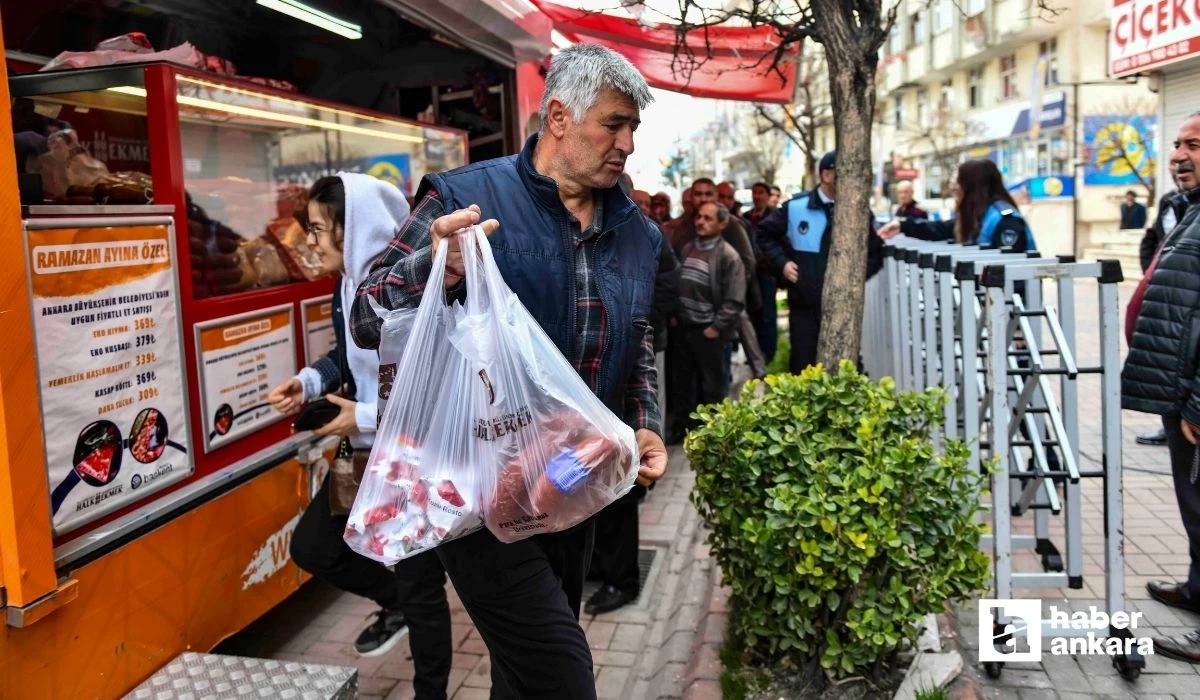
(562, 455)
(560, 481)
(405, 511)
(420, 487)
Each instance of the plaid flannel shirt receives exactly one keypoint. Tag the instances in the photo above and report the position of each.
(398, 279)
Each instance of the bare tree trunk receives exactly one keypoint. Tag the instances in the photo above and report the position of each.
(852, 88)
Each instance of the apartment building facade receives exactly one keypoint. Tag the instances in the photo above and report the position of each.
(1030, 90)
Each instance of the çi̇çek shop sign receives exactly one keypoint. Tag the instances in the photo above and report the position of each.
(110, 369)
(1147, 34)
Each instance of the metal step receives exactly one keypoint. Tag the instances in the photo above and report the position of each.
(217, 676)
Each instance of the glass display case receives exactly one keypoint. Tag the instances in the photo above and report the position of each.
(245, 155)
(234, 159)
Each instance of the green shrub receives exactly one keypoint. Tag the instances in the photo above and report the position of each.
(835, 523)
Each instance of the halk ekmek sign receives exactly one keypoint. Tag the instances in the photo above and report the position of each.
(1147, 34)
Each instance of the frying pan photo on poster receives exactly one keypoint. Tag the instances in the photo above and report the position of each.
(100, 451)
(225, 418)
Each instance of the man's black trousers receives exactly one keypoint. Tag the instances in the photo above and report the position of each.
(615, 556)
(417, 589)
(804, 329)
(1188, 494)
(767, 323)
(697, 365)
(524, 599)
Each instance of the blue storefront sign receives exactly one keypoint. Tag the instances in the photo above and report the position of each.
(1045, 187)
(1016, 118)
(395, 168)
(1052, 114)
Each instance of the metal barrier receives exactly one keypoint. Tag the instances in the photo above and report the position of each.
(974, 321)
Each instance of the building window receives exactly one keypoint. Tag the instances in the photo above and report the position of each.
(916, 29)
(933, 179)
(1000, 156)
(975, 87)
(1043, 158)
(898, 111)
(1016, 160)
(1048, 54)
(943, 16)
(1059, 156)
(923, 108)
(1008, 76)
(946, 98)
(970, 8)
(894, 47)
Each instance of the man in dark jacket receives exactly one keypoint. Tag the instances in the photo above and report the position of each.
(734, 232)
(766, 323)
(1133, 212)
(1170, 210)
(1160, 375)
(907, 206)
(795, 240)
(582, 259)
(712, 288)
(760, 205)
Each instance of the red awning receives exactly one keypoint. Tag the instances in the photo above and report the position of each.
(728, 62)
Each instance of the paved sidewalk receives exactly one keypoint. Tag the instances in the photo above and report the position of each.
(640, 651)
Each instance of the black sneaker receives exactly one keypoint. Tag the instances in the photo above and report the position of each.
(381, 635)
(607, 599)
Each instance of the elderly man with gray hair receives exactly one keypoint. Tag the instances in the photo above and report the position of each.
(712, 296)
(582, 258)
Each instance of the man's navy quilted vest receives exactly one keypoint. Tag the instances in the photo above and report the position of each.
(534, 250)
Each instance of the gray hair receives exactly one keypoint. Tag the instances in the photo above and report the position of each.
(722, 213)
(578, 73)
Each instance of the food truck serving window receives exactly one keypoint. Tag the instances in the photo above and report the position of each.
(248, 159)
(83, 148)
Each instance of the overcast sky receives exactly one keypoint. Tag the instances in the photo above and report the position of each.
(672, 116)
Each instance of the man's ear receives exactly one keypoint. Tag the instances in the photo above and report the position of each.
(557, 116)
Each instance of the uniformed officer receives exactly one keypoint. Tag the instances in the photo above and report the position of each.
(795, 241)
(987, 215)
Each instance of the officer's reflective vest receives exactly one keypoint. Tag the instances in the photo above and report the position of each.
(806, 225)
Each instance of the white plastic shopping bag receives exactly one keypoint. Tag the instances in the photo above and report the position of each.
(486, 423)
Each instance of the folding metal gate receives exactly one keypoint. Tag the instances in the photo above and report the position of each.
(974, 322)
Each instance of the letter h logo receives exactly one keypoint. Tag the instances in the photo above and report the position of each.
(1019, 617)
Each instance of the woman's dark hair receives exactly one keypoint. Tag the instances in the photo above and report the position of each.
(330, 193)
(981, 184)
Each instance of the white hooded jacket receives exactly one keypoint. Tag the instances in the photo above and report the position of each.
(375, 210)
